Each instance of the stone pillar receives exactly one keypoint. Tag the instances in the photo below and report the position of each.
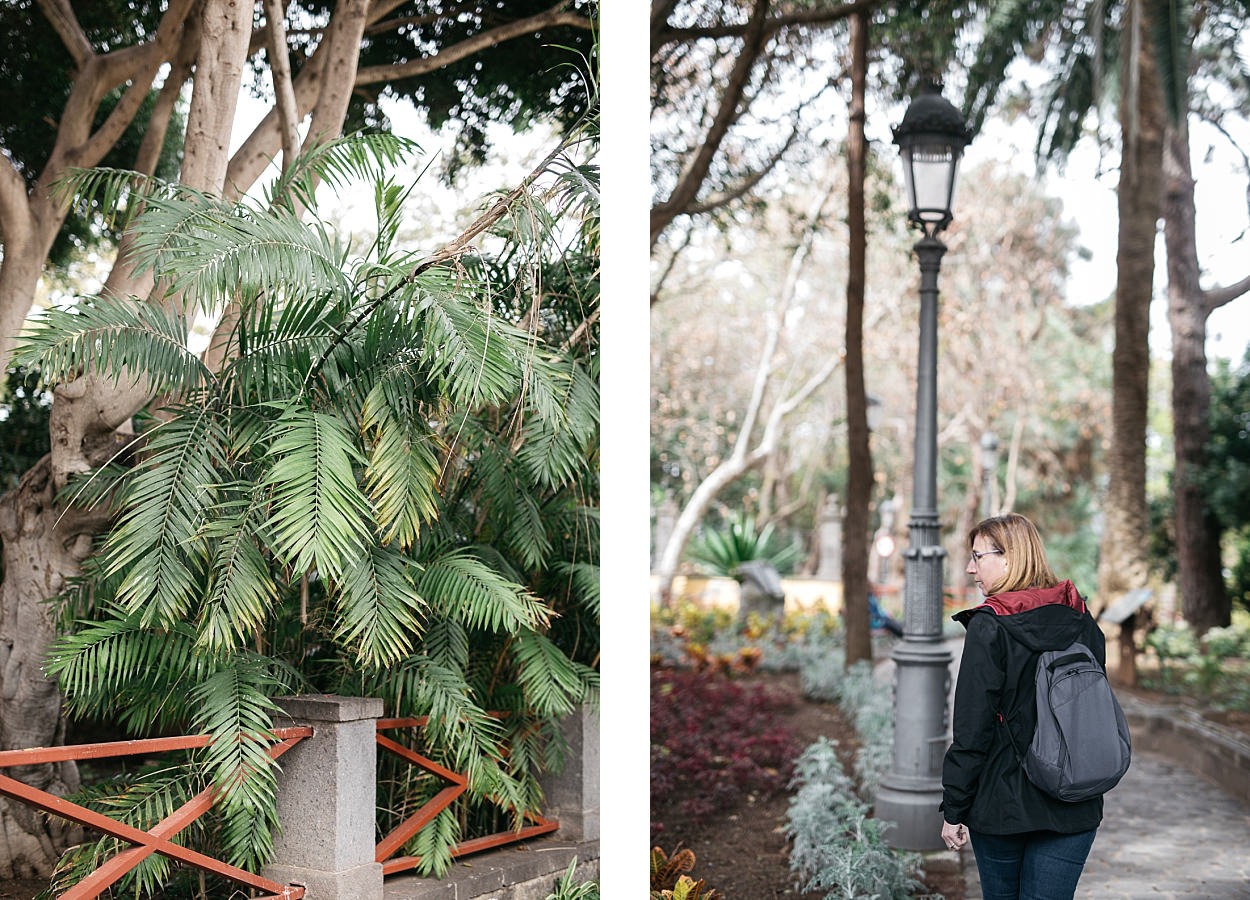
(830, 568)
(326, 799)
(572, 794)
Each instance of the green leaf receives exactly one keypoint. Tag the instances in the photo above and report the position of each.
(319, 518)
(462, 585)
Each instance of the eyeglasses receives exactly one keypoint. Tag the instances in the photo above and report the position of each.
(976, 557)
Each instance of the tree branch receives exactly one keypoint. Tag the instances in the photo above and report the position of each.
(660, 36)
(687, 188)
(744, 187)
(60, 16)
(283, 92)
(557, 15)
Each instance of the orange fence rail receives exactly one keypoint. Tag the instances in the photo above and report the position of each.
(145, 842)
(456, 785)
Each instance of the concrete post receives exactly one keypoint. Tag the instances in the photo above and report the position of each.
(830, 525)
(326, 799)
(572, 794)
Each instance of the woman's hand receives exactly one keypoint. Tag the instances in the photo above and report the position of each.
(954, 836)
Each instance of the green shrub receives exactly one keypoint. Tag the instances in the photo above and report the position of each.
(720, 550)
(837, 846)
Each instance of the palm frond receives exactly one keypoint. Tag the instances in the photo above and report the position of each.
(117, 669)
(477, 356)
(166, 500)
(584, 580)
(233, 706)
(120, 193)
(404, 465)
(337, 163)
(141, 801)
(319, 518)
(211, 251)
(552, 682)
(558, 443)
(378, 609)
(114, 338)
(241, 589)
(458, 582)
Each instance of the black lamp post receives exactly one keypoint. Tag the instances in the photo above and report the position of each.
(931, 140)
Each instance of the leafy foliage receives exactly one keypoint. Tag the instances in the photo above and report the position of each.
(670, 879)
(712, 742)
(336, 507)
(838, 847)
(721, 550)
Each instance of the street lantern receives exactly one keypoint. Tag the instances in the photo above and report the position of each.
(931, 140)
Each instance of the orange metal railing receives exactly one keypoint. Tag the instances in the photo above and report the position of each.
(456, 785)
(145, 843)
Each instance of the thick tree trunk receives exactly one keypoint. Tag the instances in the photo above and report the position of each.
(859, 472)
(43, 548)
(1123, 562)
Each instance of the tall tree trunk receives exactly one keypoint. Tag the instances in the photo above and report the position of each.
(1205, 602)
(859, 471)
(1123, 563)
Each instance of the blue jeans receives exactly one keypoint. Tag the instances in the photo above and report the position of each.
(1037, 865)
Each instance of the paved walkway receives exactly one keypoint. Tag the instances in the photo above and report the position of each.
(1165, 833)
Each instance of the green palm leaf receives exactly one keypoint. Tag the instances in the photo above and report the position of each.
(319, 517)
(476, 355)
(233, 706)
(378, 609)
(462, 585)
(241, 589)
(115, 338)
(117, 669)
(404, 466)
(553, 683)
(153, 544)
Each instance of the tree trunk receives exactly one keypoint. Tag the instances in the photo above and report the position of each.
(859, 479)
(1123, 561)
(42, 549)
(1204, 599)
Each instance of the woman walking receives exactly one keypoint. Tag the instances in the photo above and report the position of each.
(1028, 845)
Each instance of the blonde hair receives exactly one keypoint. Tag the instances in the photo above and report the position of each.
(1022, 550)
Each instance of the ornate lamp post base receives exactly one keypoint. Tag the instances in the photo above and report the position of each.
(910, 793)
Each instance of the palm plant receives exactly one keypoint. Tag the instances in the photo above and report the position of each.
(388, 488)
(721, 550)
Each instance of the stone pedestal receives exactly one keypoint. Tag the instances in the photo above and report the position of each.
(326, 799)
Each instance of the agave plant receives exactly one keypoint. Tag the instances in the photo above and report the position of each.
(721, 550)
(388, 488)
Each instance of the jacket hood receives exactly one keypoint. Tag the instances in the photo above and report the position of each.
(1040, 618)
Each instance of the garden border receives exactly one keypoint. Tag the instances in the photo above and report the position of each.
(1217, 753)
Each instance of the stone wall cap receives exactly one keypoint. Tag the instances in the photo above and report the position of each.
(330, 707)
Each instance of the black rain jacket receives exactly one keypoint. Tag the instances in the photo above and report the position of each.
(984, 785)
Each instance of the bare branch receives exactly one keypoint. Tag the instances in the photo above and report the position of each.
(284, 93)
(60, 16)
(687, 188)
(663, 35)
(557, 15)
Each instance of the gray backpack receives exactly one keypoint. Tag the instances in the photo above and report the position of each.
(1081, 748)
